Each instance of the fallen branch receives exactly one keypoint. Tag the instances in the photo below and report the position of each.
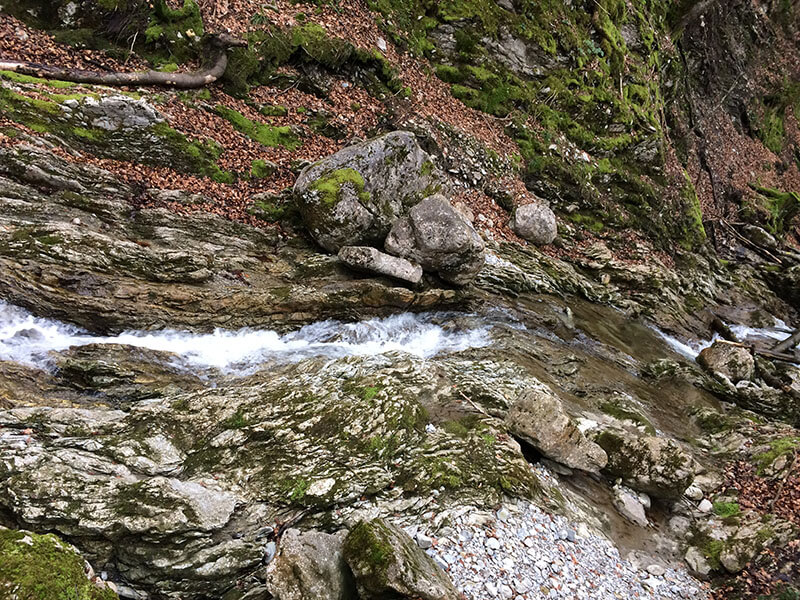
(218, 43)
(788, 343)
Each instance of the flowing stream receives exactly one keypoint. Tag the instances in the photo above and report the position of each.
(29, 340)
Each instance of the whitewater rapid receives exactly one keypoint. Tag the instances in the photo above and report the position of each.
(30, 340)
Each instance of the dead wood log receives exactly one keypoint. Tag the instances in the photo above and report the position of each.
(788, 343)
(217, 43)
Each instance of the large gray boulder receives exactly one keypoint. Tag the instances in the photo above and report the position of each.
(387, 563)
(538, 417)
(535, 223)
(734, 362)
(351, 198)
(440, 238)
(654, 465)
(372, 260)
(310, 566)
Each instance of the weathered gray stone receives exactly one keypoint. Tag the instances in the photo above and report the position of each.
(627, 502)
(351, 198)
(387, 563)
(372, 260)
(538, 417)
(440, 239)
(734, 362)
(310, 566)
(697, 562)
(650, 464)
(535, 223)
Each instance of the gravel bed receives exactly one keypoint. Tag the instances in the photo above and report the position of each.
(523, 553)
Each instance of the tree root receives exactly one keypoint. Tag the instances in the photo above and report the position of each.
(218, 43)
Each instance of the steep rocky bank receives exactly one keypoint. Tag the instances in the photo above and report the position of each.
(419, 300)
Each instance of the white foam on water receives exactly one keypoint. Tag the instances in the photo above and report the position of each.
(690, 349)
(778, 332)
(29, 340)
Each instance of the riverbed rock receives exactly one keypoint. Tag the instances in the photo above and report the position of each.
(654, 465)
(387, 563)
(372, 260)
(310, 566)
(734, 362)
(439, 238)
(165, 491)
(351, 198)
(535, 223)
(538, 417)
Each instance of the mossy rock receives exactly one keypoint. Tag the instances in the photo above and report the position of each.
(352, 197)
(650, 464)
(387, 563)
(42, 567)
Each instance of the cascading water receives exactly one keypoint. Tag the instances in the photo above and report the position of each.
(30, 340)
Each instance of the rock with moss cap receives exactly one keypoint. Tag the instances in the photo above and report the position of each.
(310, 566)
(650, 464)
(733, 362)
(351, 198)
(46, 568)
(440, 238)
(387, 563)
(539, 418)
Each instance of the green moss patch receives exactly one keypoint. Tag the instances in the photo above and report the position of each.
(42, 567)
(330, 185)
(779, 447)
(264, 134)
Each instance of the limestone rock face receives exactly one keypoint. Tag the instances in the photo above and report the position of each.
(535, 223)
(310, 566)
(387, 563)
(649, 464)
(73, 249)
(538, 417)
(351, 198)
(439, 238)
(733, 362)
(372, 260)
(175, 491)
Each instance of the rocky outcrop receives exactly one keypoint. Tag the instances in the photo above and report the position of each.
(351, 198)
(73, 247)
(310, 566)
(734, 362)
(387, 563)
(372, 260)
(439, 238)
(538, 417)
(123, 374)
(535, 223)
(166, 494)
(654, 465)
